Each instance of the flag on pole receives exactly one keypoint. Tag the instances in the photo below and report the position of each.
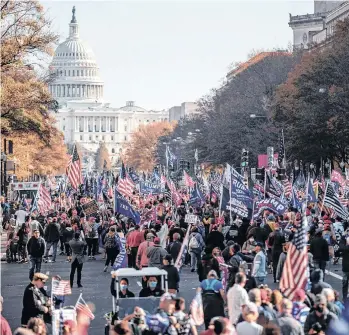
(61, 287)
(281, 156)
(83, 308)
(197, 310)
(331, 200)
(44, 200)
(74, 169)
(294, 274)
(189, 182)
(170, 157)
(196, 155)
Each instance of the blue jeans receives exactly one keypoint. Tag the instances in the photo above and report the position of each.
(34, 266)
(48, 247)
(259, 280)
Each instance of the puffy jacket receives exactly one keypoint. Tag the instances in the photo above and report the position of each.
(319, 249)
(36, 247)
(68, 234)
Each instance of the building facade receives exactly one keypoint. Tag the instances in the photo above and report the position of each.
(83, 116)
(317, 28)
(185, 109)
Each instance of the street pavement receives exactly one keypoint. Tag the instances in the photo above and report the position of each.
(96, 287)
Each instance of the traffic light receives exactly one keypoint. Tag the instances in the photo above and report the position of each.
(244, 158)
(260, 174)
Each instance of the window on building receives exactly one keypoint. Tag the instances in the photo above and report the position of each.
(147, 121)
(69, 73)
(112, 138)
(90, 138)
(102, 138)
(73, 73)
(125, 128)
(113, 151)
(125, 138)
(63, 127)
(80, 137)
(96, 137)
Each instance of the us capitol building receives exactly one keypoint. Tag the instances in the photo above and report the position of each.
(83, 116)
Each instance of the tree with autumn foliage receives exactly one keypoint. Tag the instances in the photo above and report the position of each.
(102, 158)
(312, 106)
(140, 151)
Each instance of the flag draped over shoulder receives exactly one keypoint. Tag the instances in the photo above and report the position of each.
(197, 310)
(294, 274)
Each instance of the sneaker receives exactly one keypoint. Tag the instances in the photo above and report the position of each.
(89, 257)
(94, 258)
(192, 270)
(105, 268)
(61, 253)
(79, 285)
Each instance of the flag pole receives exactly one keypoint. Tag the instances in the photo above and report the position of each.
(80, 296)
(283, 144)
(265, 182)
(323, 200)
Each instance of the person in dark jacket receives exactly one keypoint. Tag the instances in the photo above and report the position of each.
(36, 249)
(276, 240)
(51, 238)
(258, 232)
(215, 239)
(320, 315)
(208, 263)
(319, 250)
(23, 236)
(172, 274)
(175, 247)
(35, 299)
(344, 249)
(68, 235)
(317, 282)
(124, 292)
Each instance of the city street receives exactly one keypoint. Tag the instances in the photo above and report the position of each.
(96, 287)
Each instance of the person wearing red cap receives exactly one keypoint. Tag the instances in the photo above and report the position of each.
(300, 310)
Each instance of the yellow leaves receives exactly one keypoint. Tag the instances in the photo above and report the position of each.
(139, 152)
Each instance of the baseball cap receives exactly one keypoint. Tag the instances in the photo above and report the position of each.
(156, 240)
(167, 296)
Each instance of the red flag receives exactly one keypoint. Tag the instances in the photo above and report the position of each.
(189, 182)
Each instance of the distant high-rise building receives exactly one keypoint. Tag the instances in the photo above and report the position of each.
(185, 109)
(316, 29)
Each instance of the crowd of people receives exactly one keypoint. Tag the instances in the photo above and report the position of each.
(232, 257)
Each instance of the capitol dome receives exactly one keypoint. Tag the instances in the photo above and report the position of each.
(130, 107)
(74, 69)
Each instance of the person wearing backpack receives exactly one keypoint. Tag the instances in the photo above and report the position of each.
(111, 248)
(196, 245)
(259, 270)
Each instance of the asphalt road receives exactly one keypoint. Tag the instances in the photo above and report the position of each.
(96, 283)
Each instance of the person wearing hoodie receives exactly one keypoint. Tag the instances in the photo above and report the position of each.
(156, 254)
(172, 274)
(215, 239)
(68, 234)
(317, 282)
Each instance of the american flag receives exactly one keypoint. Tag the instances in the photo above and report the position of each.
(44, 201)
(322, 207)
(331, 200)
(281, 155)
(294, 274)
(60, 287)
(126, 186)
(74, 169)
(189, 182)
(197, 310)
(287, 188)
(83, 308)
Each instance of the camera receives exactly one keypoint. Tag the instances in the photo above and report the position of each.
(317, 327)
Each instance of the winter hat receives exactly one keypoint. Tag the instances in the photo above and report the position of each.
(156, 240)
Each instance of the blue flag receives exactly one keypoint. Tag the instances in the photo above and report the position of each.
(311, 194)
(122, 206)
(147, 187)
(133, 175)
(295, 203)
(196, 196)
(240, 192)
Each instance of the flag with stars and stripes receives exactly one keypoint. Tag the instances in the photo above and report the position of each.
(331, 200)
(287, 188)
(294, 274)
(74, 170)
(44, 200)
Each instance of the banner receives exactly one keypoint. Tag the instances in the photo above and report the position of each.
(228, 204)
(196, 197)
(122, 206)
(121, 259)
(240, 192)
(90, 208)
(271, 204)
(148, 187)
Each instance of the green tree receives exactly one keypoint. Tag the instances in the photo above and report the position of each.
(312, 106)
(102, 158)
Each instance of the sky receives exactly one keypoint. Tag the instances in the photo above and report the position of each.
(162, 53)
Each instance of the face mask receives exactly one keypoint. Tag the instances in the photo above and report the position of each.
(320, 309)
(152, 284)
(123, 287)
(216, 254)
